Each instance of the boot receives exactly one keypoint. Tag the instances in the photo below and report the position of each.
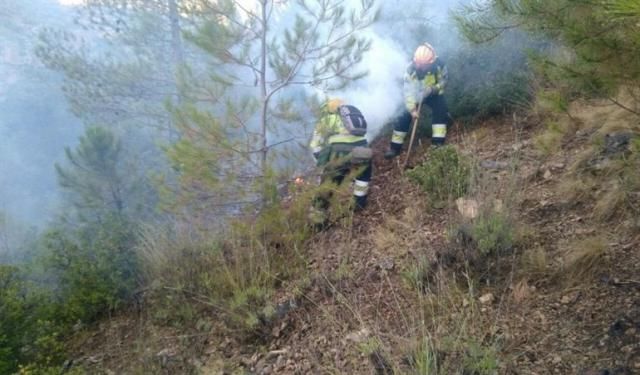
(393, 151)
(360, 203)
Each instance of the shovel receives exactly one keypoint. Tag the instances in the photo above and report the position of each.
(413, 135)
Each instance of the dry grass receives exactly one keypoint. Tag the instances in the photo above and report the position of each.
(583, 259)
(575, 189)
(550, 140)
(534, 264)
(452, 334)
(610, 201)
(235, 274)
(521, 292)
(398, 235)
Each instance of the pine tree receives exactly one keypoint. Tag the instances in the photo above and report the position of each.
(98, 183)
(599, 39)
(261, 59)
(124, 68)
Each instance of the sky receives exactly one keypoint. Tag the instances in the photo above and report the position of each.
(70, 2)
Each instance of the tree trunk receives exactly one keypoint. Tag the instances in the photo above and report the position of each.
(176, 35)
(264, 99)
(177, 58)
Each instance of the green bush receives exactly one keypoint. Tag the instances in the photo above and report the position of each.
(493, 233)
(445, 175)
(12, 324)
(480, 359)
(95, 272)
(235, 272)
(29, 333)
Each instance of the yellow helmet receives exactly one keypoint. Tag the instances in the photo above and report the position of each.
(333, 104)
(424, 56)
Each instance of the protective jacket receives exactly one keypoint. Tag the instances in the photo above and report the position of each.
(336, 150)
(427, 87)
(329, 130)
(417, 82)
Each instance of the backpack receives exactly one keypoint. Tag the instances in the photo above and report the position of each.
(353, 120)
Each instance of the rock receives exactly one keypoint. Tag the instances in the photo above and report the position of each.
(557, 166)
(498, 205)
(617, 328)
(556, 359)
(468, 208)
(566, 300)
(275, 353)
(465, 302)
(616, 142)
(494, 164)
(547, 175)
(359, 336)
(487, 298)
(283, 308)
(168, 352)
(277, 330)
(520, 145)
(254, 359)
(386, 264)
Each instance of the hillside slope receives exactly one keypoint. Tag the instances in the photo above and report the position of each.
(403, 288)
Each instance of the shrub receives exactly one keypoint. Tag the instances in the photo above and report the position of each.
(444, 176)
(480, 359)
(493, 233)
(30, 331)
(12, 324)
(94, 272)
(235, 272)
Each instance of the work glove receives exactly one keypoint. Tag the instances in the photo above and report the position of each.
(414, 113)
(427, 92)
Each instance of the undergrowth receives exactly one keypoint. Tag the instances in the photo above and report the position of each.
(234, 273)
(445, 176)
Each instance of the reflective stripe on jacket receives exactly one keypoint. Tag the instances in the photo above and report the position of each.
(416, 82)
(330, 130)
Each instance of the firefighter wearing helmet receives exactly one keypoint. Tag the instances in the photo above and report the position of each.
(424, 81)
(340, 147)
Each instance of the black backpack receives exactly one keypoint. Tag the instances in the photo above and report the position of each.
(353, 120)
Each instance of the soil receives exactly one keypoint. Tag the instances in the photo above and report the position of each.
(359, 313)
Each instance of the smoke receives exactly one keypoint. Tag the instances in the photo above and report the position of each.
(34, 123)
(403, 26)
(379, 95)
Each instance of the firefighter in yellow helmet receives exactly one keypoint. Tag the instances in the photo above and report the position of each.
(339, 145)
(424, 81)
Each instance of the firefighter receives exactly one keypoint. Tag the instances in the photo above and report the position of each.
(339, 145)
(424, 80)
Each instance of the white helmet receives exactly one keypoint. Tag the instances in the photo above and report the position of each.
(424, 56)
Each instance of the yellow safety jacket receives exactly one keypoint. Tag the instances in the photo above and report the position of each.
(416, 82)
(329, 130)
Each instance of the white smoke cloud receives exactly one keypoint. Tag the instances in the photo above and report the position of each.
(379, 94)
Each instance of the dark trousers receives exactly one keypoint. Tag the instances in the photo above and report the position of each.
(340, 166)
(439, 115)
